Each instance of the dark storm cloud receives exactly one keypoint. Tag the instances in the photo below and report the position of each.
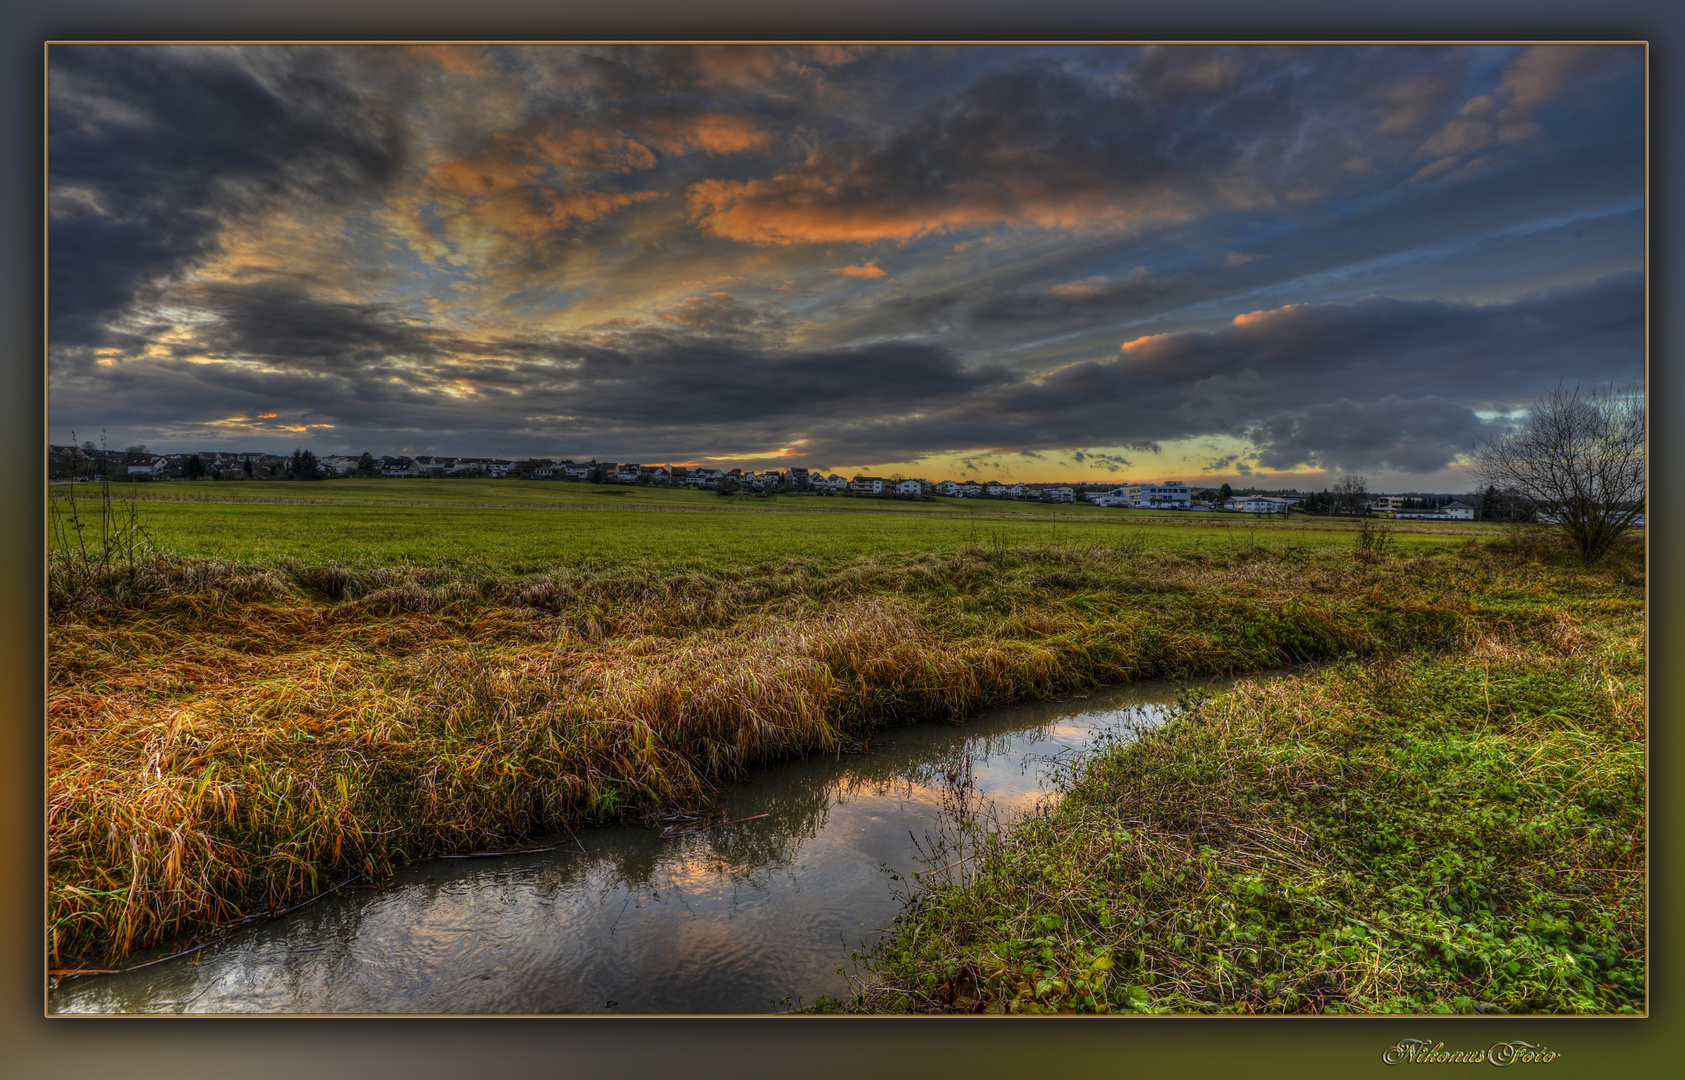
(659, 380)
(1379, 346)
(280, 323)
(1324, 385)
(1184, 130)
(1333, 385)
(360, 366)
(156, 148)
(671, 253)
(1338, 384)
(1399, 435)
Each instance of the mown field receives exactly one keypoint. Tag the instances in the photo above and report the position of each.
(276, 699)
(558, 494)
(523, 527)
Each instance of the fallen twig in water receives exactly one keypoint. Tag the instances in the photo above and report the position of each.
(670, 832)
(486, 854)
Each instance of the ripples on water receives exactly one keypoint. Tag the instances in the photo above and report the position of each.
(746, 917)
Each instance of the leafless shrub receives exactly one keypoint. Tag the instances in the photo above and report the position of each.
(1373, 543)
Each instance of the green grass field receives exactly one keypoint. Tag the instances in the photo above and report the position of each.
(521, 526)
(517, 494)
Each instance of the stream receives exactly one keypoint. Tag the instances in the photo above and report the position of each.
(741, 916)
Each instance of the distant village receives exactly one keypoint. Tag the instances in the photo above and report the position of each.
(89, 462)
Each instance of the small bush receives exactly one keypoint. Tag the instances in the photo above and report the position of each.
(1373, 543)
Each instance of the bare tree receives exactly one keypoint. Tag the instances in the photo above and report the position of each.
(1579, 458)
(1351, 495)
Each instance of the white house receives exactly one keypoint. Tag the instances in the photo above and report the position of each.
(1171, 494)
(339, 464)
(1117, 497)
(1258, 504)
(627, 473)
(481, 466)
(428, 465)
(867, 485)
(1459, 511)
(947, 487)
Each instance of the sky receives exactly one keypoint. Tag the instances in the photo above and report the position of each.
(1263, 265)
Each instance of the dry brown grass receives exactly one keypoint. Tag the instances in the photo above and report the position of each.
(227, 739)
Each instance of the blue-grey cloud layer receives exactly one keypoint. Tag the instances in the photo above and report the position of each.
(864, 255)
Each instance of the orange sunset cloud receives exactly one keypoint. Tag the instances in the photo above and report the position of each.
(811, 205)
(1251, 318)
(711, 134)
(869, 270)
(453, 59)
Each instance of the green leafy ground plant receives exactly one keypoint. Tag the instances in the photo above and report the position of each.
(1457, 830)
